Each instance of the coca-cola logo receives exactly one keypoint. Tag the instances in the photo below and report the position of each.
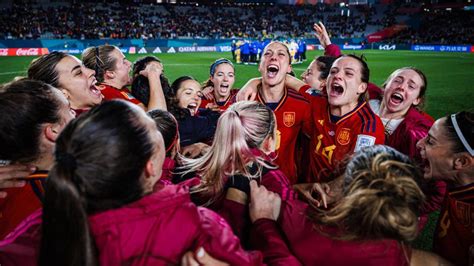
(29, 51)
(3, 52)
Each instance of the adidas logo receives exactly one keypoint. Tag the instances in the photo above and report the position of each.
(157, 50)
(171, 50)
(142, 51)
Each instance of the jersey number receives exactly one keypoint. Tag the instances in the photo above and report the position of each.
(326, 151)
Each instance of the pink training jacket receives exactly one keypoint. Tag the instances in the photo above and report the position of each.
(159, 228)
(155, 230)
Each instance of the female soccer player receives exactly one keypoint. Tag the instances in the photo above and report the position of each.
(101, 188)
(448, 155)
(168, 127)
(242, 150)
(220, 85)
(291, 110)
(112, 71)
(403, 95)
(33, 115)
(343, 121)
(371, 225)
(67, 73)
(398, 105)
(316, 74)
(195, 125)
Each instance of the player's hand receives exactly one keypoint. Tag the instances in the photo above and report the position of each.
(153, 69)
(322, 191)
(207, 92)
(263, 203)
(200, 258)
(10, 176)
(249, 90)
(195, 150)
(322, 34)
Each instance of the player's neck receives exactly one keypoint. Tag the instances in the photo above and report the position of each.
(463, 178)
(44, 162)
(273, 94)
(114, 83)
(342, 110)
(385, 113)
(220, 98)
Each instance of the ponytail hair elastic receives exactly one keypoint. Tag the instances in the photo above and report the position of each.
(461, 135)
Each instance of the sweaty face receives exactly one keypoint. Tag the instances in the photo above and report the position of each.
(311, 76)
(436, 152)
(344, 84)
(223, 80)
(78, 83)
(122, 67)
(275, 64)
(189, 95)
(402, 91)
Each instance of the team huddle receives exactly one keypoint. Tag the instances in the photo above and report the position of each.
(102, 168)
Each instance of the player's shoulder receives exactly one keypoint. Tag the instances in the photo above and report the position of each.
(296, 96)
(368, 120)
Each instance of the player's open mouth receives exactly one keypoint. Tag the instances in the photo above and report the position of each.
(396, 98)
(95, 91)
(224, 87)
(272, 71)
(192, 107)
(337, 89)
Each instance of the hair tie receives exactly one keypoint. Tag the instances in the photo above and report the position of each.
(461, 136)
(67, 160)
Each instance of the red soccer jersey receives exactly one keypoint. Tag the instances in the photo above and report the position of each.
(331, 141)
(111, 93)
(293, 115)
(455, 231)
(21, 202)
(222, 105)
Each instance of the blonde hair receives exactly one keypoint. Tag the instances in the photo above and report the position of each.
(241, 128)
(382, 198)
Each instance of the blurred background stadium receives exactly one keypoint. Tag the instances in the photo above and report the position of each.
(435, 36)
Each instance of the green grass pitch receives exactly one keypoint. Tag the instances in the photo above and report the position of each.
(450, 75)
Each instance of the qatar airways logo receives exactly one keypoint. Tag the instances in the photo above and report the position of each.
(30, 51)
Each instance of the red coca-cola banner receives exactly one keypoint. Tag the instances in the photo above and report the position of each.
(23, 51)
(472, 49)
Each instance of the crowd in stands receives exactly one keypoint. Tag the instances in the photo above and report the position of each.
(441, 27)
(145, 21)
(98, 21)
